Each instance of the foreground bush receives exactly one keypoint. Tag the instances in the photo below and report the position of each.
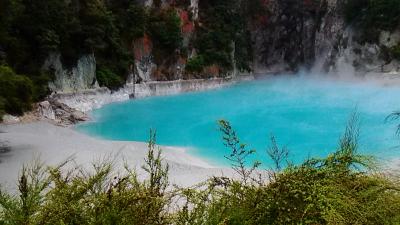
(342, 188)
(56, 196)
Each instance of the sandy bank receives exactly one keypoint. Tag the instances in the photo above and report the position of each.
(55, 144)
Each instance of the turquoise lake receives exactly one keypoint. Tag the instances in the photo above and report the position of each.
(307, 115)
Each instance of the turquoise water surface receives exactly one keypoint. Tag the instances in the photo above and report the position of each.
(306, 115)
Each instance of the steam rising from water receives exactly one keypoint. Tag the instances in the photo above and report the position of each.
(308, 115)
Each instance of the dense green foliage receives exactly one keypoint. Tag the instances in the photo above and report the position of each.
(343, 188)
(373, 15)
(16, 92)
(225, 28)
(395, 51)
(165, 31)
(31, 30)
(107, 78)
(195, 64)
(383, 14)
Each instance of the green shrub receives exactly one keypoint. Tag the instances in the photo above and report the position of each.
(130, 18)
(16, 91)
(243, 51)
(108, 78)
(41, 85)
(355, 9)
(195, 64)
(395, 51)
(137, 16)
(225, 28)
(164, 28)
(216, 48)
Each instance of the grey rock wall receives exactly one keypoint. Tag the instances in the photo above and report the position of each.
(313, 35)
(80, 77)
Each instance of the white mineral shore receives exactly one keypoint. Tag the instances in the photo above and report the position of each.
(53, 145)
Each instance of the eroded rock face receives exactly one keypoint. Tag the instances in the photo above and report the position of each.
(60, 113)
(46, 111)
(313, 35)
(295, 33)
(144, 65)
(194, 6)
(80, 77)
(389, 39)
(352, 57)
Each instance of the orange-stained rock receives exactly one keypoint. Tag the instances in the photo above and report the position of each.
(142, 47)
(187, 25)
(212, 70)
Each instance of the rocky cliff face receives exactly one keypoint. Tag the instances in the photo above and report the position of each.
(313, 35)
(144, 63)
(80, 77)
(363, 59)
(288, 38)
(302, 35)
(296, 33)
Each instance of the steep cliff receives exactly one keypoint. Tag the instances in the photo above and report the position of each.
(208, 41)
(314, 35)
(286, 36)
